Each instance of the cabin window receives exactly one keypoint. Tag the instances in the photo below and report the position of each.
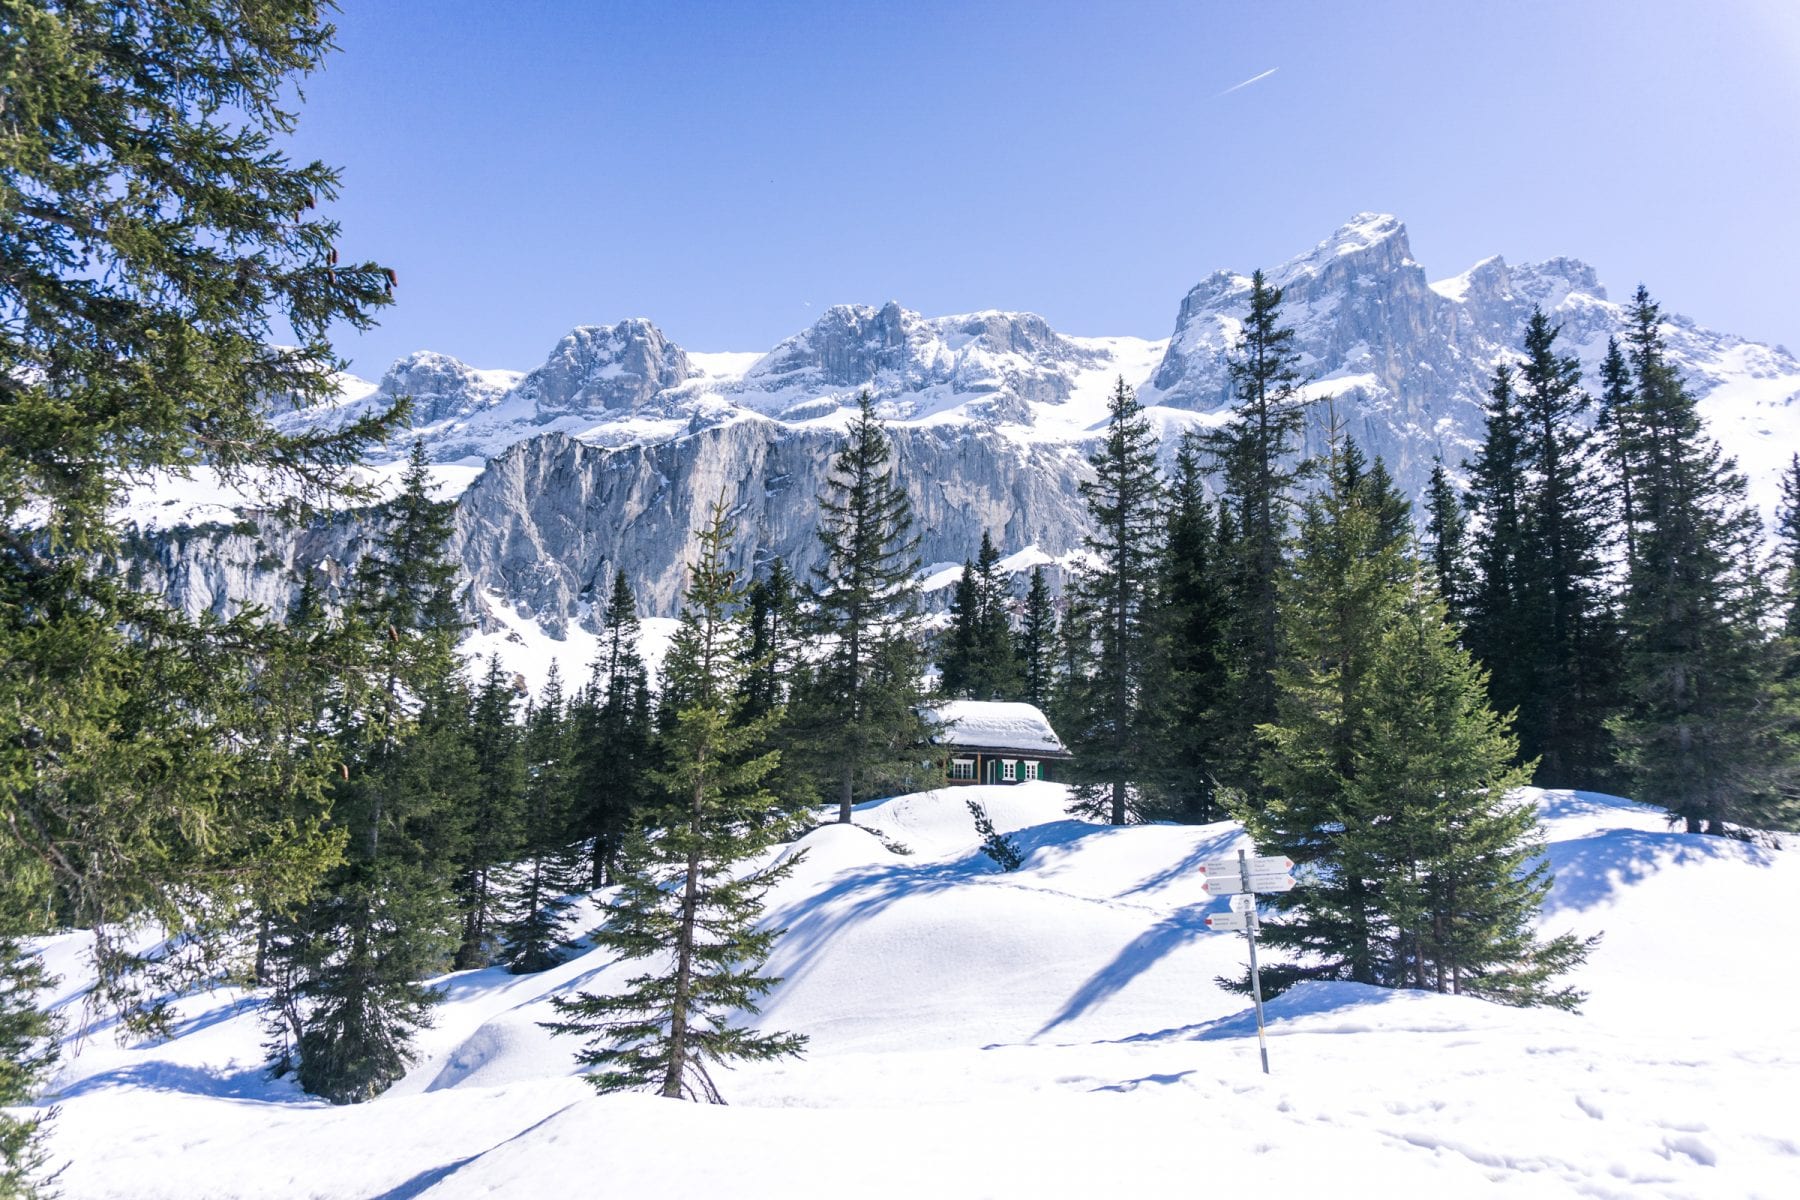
(1009, 770)
(962, 768)
(1031, 769)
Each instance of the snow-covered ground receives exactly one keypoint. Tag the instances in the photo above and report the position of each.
(1052, 1032)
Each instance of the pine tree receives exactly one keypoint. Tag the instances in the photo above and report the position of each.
(539, 890)
(1617, 424)
(979, 661)
(1458, 851)
(152, 234)
(1568, 651)
(613, 733)
(1254, 453)
(1037, 642)
(684, 901)
(1107, 726)
(1446, 525)
(490, 834)
(1497, 614)
(866, 692)
(1389, 778)
(386, 917)
(1339, 593)
(778, 672)
(1787, 538)
(1700, 734)
(28, 1051)
(956, 647)
(1189, 678)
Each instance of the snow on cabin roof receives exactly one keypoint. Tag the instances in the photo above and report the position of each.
(994, 724)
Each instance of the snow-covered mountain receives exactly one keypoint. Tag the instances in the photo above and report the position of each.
(606, 454)
(1056, 1031)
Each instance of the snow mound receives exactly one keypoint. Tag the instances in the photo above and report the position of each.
(1052, 1031)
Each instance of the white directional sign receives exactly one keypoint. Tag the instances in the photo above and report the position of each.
(1227, 885)
(1243, 902)
(1267, 864)
(1228, 922)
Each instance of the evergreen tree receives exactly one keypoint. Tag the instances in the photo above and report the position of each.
(1700, 734)
(490, 824)
(1254, 453)
(1458, 850)
(685, 903)
(1339, 594)
(1390, 778)
(1498, 616)
(979, 661)
(28, 1050)
(386, 918)
(1787, 538)
(778, 672)
(152, 234)
(1190, 677)
(613, 733)
(956, 647)
(1617, 424)
(1447, 527)
(1569, 650)
(539, 890)
(1107, 727)
(867, 691)
(1037, 642)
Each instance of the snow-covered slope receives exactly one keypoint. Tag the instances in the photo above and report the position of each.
(1052, 1032)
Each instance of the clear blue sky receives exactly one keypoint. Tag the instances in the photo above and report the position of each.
(730, 169)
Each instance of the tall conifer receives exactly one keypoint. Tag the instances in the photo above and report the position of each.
(1106, 722)
(686, 905)
(864, 702)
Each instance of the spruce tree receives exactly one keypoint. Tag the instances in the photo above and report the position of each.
(1447, 527)
(1189, 679)
(1254, 455)
(685, 903)
(539, 891)
(863, 706)
(28, 1051)
(1037, 642)
(613, 734)
(1617, 425)
(777, 657)
(1787, 539)
(1569, 650)
(1107, 727)
(153, 233)
(386, 918)
(1700, 734)
(1337, 597)
(1390, 778)
(1497, 614)
(957, 644)
(490, 833)
(1458, 850)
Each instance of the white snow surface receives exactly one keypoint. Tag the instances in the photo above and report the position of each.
(1001, 724)
(1056, 1031)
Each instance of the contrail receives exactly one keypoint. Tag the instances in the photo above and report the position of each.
(1234, 87)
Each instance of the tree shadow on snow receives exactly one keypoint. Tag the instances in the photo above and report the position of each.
(1592, 870)
(244, 1083)
(1133, 960)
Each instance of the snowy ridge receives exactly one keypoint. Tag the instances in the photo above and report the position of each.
(1055, 1031)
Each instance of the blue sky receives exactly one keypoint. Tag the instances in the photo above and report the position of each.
(730, 169)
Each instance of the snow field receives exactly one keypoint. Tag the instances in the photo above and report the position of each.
(1055, 1031)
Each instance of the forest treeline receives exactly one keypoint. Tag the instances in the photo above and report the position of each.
(327, 806)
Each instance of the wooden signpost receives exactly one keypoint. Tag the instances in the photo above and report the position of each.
(1242, 878)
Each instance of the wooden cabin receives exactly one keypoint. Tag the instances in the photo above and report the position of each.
(996, 741)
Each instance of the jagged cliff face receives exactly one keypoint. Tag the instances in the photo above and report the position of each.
(550, 521)
(606, 455)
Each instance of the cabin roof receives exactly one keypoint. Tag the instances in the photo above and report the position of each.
(994, 725)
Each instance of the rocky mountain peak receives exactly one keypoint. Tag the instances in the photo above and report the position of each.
(597, 368)
(442, 387)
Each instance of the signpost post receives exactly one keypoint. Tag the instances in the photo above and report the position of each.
(1242, 879)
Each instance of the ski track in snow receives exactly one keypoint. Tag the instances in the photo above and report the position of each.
(1052, 1032)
